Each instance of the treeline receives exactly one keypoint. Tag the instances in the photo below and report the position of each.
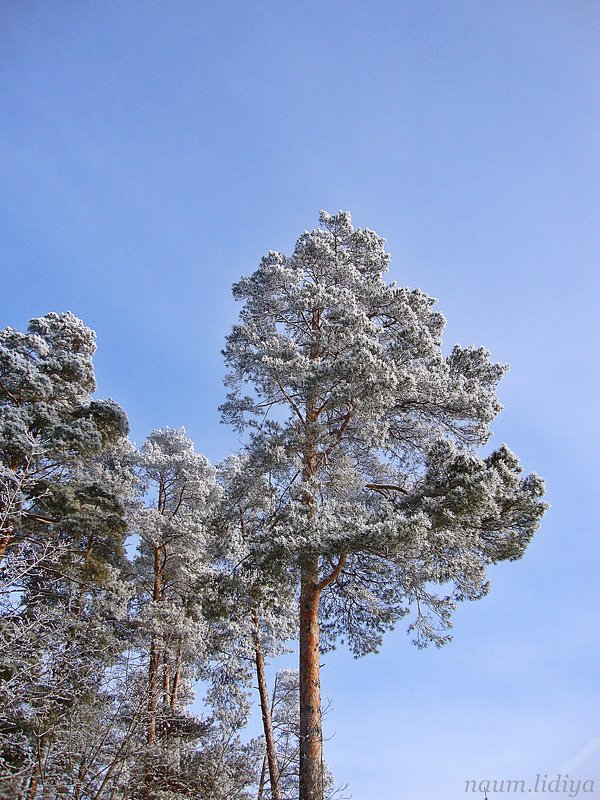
(130, 577)
(124, 584)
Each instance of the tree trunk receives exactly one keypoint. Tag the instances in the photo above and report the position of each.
(153, 668)
(4, 542)
(154, 664)
(265, 708)
(154, 682)
(176, 675)
(262, 781)
(33, 783)
(311, 734)
(166, 681)
(36, 772)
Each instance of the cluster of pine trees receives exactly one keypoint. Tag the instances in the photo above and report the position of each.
(133, 581)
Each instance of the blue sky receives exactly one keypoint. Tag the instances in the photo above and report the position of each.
(152, 152)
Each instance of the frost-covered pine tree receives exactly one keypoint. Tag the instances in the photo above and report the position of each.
(49, 421)
(172, 563)
(261, 601)
(62, 526)
(181, 634)
(370, 433)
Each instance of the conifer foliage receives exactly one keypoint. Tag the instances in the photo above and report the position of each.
(370, 432)
(100, 652)
(143, 592)
(62, 526)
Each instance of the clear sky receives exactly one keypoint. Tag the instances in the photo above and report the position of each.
(153, 151)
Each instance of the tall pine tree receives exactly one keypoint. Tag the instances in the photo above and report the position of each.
(370, 433)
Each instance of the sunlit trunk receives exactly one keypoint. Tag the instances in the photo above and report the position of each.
(265, 708)
(311, 734)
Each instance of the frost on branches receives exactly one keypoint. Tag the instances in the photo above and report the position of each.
(261, 600)
(99, 652)
(361, 498)
(49, 421)
(182, 636)
(62, 525)
(370, 435)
